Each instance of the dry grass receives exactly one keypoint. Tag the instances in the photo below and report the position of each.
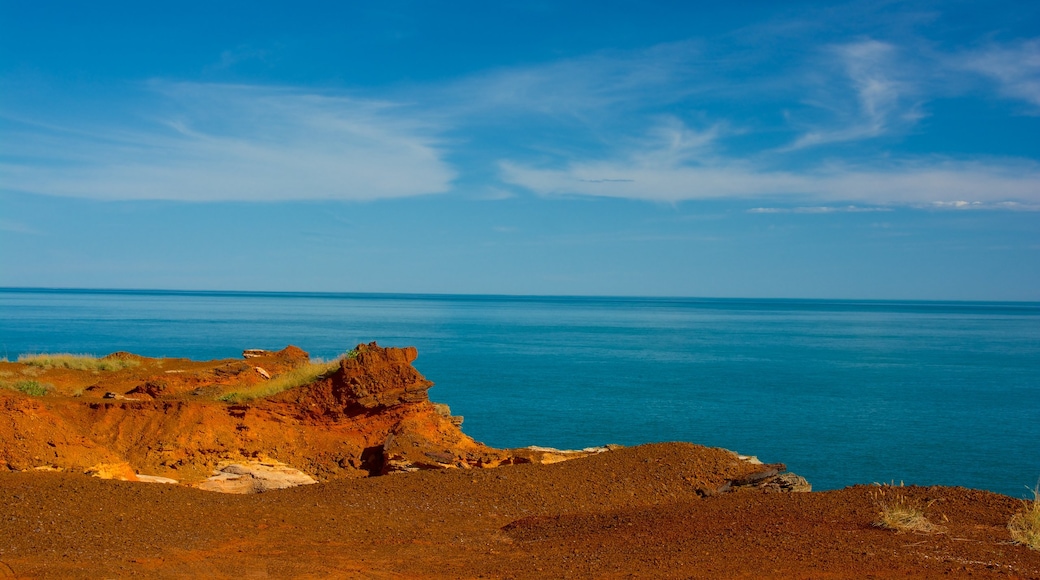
(34, 388)
(78, 362)
(898, 512)
(1025, 525)
(297, 377)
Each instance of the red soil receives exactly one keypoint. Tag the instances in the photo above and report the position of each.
(627, 513)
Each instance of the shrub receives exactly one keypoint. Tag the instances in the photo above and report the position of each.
(350, 354)
(78, 362)
(898, 512)
(1025, 525)
(34, 388)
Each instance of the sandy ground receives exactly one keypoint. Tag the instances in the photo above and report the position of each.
(629, 513)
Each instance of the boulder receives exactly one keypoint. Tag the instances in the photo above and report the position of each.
(771, 478)
(255, 353)
(255, 477)
(155, 479)
(120, 471)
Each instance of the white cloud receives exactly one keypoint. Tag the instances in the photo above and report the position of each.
(879, 97)
(907, 183)
(494, 194)
(577, 86)
(981, 205)
(671, 142)
(819, 209)
(222, 143)
(1015, 67)
(863, 90)
(230, 58)
(204, 142)
(660, 175)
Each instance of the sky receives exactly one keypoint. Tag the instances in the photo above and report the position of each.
(854, 150)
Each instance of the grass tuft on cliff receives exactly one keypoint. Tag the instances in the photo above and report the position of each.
(30, 387)
(76, 362)
(297, 377)
(1025, 525)
(902, 514)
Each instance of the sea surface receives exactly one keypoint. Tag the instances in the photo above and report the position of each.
(843, 392)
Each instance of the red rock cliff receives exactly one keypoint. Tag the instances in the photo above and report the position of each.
(163, 417)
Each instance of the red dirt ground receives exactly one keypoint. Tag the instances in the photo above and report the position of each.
(624, 514)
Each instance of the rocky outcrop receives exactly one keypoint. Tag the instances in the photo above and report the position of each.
(770, 478)
(171, 419)
(372, 379)
(370, 416)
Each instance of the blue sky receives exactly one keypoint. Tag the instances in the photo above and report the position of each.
(874, 150)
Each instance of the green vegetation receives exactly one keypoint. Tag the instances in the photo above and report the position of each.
(1025, 525)
(78, 362)
(299, 376)
(350, 354)
(900, 513)
(303, 375)
(34, 388)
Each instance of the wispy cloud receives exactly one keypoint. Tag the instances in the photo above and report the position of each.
(819, 209)
(1015, 68)
(876, 100)
(580, 85)
(240, 54)
(661, 176)
(654, 124)
(907, 183)
(858, 91)
(220, 142)
(494, 194)
(959, 205)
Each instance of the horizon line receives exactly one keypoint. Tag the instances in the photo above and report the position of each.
(454, 295)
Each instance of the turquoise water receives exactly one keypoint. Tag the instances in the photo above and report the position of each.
(843, 392)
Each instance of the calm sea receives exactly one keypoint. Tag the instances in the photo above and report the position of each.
(843, 392)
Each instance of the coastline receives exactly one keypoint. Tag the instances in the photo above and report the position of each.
(887, 390)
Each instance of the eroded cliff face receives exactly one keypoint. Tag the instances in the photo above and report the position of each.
(164, 418)
(170, 420)
(371, 381)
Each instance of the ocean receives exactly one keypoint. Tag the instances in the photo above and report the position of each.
(843, 392)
